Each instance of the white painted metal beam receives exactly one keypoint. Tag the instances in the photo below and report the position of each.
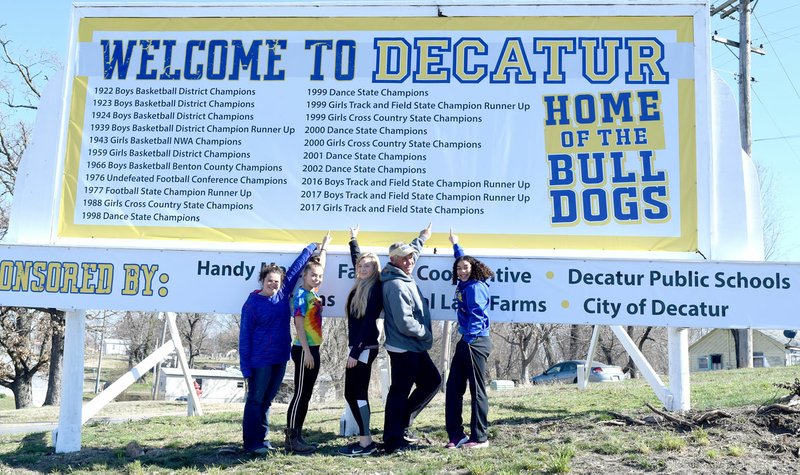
(115, 389)
(67, 437)
(679, 385)
(652, 378)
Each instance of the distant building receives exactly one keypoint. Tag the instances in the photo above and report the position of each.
(717, 350)
(115, 346)
(215, 385)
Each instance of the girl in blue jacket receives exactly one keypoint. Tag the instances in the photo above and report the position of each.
(472, 351)
(264, 346)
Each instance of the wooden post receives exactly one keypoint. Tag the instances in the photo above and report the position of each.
(745, 343)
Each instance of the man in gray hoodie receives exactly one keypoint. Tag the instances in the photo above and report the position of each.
(407, 323)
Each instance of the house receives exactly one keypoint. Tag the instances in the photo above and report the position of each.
(215, 385)
(717, 350)
(228, 386)
(115, 346)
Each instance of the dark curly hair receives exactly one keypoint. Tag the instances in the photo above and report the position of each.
(272, 268)
(478, 270)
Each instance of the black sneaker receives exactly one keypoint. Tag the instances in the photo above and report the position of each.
(356, 450)
(403, 447)
(410, 437)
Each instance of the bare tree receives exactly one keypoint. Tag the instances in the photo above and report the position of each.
(57, 323)
(25, 337)
(640, 338)
(141, 331)
(19, 91)
(194, 330)
(772, 213)
(333, 352)
(25, 334)
(228, 337)
(525, 340)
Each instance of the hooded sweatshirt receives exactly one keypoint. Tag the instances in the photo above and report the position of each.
(472, 300)
(407, 319)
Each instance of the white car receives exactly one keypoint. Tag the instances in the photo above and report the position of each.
(567, 372)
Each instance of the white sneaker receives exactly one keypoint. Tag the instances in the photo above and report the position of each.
(268, 446)
(474, 444)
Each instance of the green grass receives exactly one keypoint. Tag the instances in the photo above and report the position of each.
(6, 403)
(534, 430)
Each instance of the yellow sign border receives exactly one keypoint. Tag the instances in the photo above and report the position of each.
(682, 25)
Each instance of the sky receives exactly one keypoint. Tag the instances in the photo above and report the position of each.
(40, 25)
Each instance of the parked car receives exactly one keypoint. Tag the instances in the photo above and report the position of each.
(567, 372)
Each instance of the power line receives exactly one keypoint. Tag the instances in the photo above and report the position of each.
(772, 119)
(775, 52)
(782, 137)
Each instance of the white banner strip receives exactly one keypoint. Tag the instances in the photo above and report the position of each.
(598, 291)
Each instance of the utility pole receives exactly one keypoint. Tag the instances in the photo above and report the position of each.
(743, 337)
(745, 341)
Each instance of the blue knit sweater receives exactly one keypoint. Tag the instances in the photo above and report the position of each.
(264, 335)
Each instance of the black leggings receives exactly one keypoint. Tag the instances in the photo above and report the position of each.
(356, 391)
(304, 380)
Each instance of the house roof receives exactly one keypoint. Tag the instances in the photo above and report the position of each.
(776, 335)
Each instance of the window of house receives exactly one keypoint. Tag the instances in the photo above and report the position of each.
(240, 384)
(703, 363)
(716, 361)
(759, 360)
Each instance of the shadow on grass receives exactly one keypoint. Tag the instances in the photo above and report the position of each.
(34, 453)
(524, 414)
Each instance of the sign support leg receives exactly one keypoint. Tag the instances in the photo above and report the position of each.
(678, 340)
(194, 400)
(67, 437)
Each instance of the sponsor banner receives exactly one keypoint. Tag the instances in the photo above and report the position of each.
(521, 132)
(598, 292)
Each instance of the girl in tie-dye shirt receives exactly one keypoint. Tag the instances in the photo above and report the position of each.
(307, 317)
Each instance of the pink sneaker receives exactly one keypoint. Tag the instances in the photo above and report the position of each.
(474, 444)
(457, 442)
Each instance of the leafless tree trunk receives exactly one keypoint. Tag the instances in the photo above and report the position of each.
(194, 330)
(53, 396)
(525, 340)
(140, 330)
(25, 338)
(630, 367)
(575, 346)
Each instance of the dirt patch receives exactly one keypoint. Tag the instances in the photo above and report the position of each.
(745, 441)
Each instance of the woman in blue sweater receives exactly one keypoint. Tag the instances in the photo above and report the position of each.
(472, 351)
(265, 344)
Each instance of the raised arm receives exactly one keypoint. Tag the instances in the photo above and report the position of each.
(323, 251)
(294, 270)
(419, 241)
(355, 251)
(457, 250)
